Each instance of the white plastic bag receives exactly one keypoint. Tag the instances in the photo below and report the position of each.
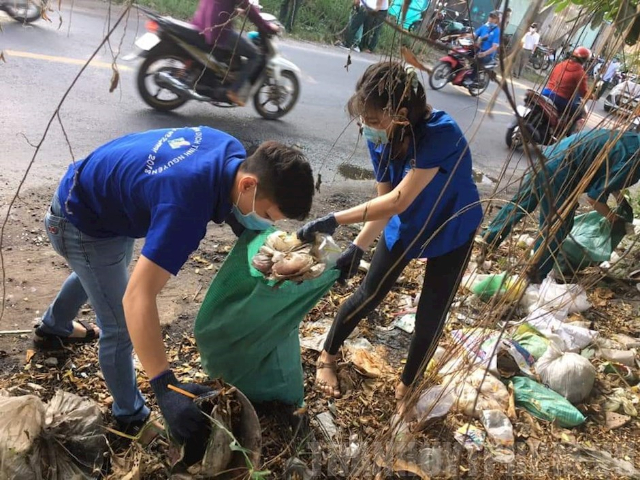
(569, 374)
(575, 338)
(58, 441)
(434, 402)
(326, 250)
(500, 435)
(474, 392)
(569, 297)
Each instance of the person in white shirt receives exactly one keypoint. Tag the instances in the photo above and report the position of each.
(611, 72)
(370, 15)
(529, 45)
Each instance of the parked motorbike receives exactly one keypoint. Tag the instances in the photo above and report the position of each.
(540, 117)
(446, 22)
(457, 65)
(23, 11)
(543, 57)
(179, 66)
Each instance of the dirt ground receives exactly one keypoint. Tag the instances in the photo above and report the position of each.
(34, 272)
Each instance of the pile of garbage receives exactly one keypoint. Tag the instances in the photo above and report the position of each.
(542, 363)
(285, 257)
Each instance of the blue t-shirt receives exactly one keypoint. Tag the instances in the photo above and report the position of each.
(447, 212)
(165, 185)
(575, 155)
(492, 34)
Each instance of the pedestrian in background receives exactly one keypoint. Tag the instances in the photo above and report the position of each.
(368, 15)
(611, 72)
(529, 44)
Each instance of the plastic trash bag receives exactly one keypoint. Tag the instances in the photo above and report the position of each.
(569, 374)
(544, 403)
(575, 338)
(61, 440)
(475, 391)
(247, 326)
(434, 402)
(569, 298)
(499, 435)
(592, 240)
(531, 339)
(509, 288)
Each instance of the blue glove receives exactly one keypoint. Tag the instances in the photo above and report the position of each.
(326, 224)
(187, 425)
(349, 261)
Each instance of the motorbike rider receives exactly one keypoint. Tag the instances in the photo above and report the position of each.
(214, 19)
(488, 37)
(567, 83)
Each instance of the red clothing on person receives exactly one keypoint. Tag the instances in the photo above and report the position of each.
(566, 78)
(212, 18)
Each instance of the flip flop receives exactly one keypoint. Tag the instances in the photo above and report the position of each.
(47, 341)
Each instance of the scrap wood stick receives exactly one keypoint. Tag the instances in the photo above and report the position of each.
(183, 392)
(14, 332)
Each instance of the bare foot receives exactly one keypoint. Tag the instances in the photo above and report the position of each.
(326, 375)
(401, 392)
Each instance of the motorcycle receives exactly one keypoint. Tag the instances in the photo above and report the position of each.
(179, 64)
(542, 120)
(23, 11)
(543, 57)
(457, 65)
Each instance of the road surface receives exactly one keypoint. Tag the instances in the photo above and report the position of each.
(42, 60)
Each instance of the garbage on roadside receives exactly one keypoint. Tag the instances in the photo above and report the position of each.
(531, 340)
(434, 402)
(561, 298)
(476, 390)
(625, 357)
(503, 356)
(619, 369)
(569, 374)
(507, 287)
(545, 404)
(575, 338)
(284, 257)
(58, 440)
(621, 401)
(500, 439)
(470, 437)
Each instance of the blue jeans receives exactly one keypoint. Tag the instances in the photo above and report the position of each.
(99, 275)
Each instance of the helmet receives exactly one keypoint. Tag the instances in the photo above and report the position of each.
(582, 54)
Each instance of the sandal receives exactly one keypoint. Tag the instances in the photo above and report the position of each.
(333, 366)
(47, 341)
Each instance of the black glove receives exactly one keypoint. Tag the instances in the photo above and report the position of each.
(327, 224)
(236, 226)
(187, 424)
(349, 262)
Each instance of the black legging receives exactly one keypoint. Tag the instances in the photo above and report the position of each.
(441, 280)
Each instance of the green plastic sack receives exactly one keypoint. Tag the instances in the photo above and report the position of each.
(592, 240)
(499, 284)
(247, 327)
(544, 403)
(531, 339)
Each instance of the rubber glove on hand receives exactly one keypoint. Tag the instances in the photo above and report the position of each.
(187, 424)
(349, 261)
(326, 225)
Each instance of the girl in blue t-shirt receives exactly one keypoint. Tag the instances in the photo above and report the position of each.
(427, 205)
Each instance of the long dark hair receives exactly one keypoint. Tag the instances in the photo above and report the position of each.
(388, 86)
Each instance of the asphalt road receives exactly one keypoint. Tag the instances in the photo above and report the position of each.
(43, 59)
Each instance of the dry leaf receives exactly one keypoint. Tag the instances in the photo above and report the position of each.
(115, 80)
(412, 60)
(29, 356)
(615, 420)
(511, 409)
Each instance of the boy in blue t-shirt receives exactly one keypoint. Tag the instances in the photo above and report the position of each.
(166, 186)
